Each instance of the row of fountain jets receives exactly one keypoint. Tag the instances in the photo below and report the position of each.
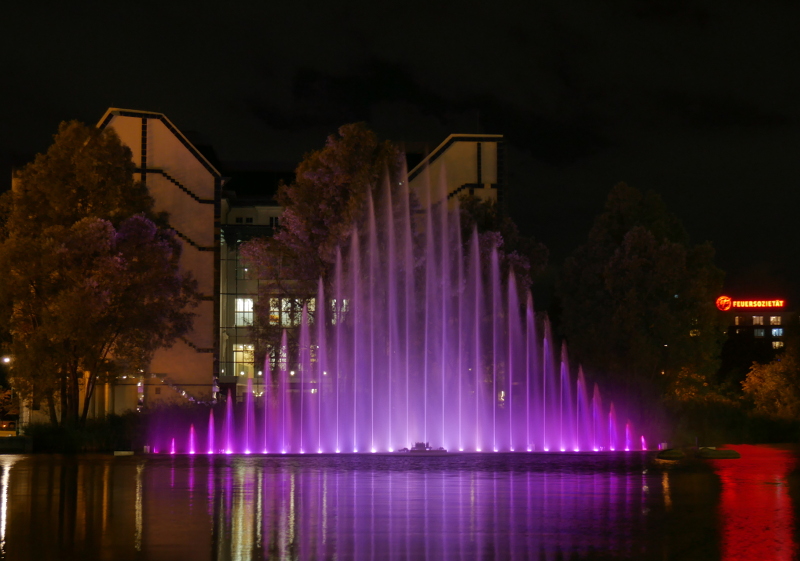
(421, 337)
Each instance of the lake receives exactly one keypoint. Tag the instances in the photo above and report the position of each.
(399, 507)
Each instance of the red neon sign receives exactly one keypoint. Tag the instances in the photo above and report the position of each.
(725, 303)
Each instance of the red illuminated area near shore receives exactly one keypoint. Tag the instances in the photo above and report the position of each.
(726, 303)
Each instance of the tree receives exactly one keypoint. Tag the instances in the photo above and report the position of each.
(638, 298)
(524, 255)
(91, 284)
(775, 387)
(320, 206)
(86, 172)
(326, 198)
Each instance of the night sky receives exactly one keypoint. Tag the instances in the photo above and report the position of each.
(696, 100)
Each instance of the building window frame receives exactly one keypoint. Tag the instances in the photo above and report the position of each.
(243, 312)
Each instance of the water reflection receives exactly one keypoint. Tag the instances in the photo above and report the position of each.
(755, 508)
(470, 507)
(6, 463)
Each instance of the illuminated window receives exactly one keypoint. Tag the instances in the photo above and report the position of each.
(243, 360)
(288, 312)
(277, 358)
(244, 312)
(274, 311)
(777, 331)
(738, 320)
(774, 320)
(758, 320)
(338, 311)
(777, 344)
(758, 332)
(694, 333)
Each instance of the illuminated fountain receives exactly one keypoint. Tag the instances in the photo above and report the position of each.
(421, 339)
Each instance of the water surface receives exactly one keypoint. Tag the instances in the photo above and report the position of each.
(492, 506)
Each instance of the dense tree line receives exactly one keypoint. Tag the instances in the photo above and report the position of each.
(638, 297)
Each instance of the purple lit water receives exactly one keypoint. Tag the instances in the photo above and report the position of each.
(504, 506)
(421, 338)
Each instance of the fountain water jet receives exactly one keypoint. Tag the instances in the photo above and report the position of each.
(417, 337)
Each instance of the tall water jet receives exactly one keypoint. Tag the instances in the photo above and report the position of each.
(421, 333)
(612, 428)
(191, 439)
(249, 421)
(228, 425)
(211, 431)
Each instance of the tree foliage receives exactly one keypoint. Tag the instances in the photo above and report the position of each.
(327, 197)
(522, 254)
(775, 387)
(330, 195)
(92, 286)
(638, 298)
(86, 172)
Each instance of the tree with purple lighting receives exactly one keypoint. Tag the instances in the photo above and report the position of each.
(522, 254)
(327, 197)
(92, 287)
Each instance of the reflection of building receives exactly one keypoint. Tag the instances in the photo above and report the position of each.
(212, 222)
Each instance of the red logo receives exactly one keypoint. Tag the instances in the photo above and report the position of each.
(724, 303)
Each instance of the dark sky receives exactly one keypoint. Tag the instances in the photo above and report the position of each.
(696, 100)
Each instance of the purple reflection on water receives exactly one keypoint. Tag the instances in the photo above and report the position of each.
(422, 510)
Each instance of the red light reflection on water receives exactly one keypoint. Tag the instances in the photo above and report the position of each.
(756, 516)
